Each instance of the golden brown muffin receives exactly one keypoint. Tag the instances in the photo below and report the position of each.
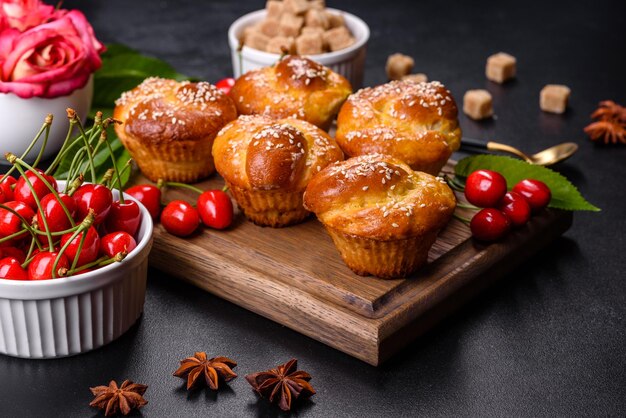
(267, 164)
(382, 216)
(168, 127)
(415, 122)
(295, 87)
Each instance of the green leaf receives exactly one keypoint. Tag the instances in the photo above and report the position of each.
(564, 194)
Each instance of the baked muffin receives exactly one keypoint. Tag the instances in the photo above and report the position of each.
(168, 127)
(382, 216)
(415, 122)
(295, 87)
(267, 164)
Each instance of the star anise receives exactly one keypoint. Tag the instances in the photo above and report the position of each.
(114, 399)
(198, 370)
(282, 384)
(610, 123)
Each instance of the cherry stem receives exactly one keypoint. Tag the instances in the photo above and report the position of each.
(103, 136)
(225, 188)
(461, 218)
(47, 123)
(121, 173)
(52, 190)
(84, 226)
(34, 242)
(75, 166)
(101, 262)
(80, 249)
(37, 201)
(43, 146)
(466, 206)
(107, 177)
(161, 184)
(453, 184)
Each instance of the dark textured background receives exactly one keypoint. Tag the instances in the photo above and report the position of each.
(548, 340)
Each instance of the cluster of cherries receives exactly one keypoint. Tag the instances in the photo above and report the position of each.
(213, 208)
(502, 209)
(46, 234)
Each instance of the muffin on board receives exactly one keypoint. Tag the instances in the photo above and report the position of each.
(296, 87)
(415, 122)
(267, 164)
(382, 216)
(168, 127)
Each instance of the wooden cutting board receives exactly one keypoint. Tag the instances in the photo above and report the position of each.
(294, 276)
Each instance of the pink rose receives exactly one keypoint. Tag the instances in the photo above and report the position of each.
(49, 60)
(25, 14)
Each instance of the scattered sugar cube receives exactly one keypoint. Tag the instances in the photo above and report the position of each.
(274, 9)
(276, 45)
(553, 98)
(309, 44)
(269, 27)
(256, 39)
(297, 7)
(316, 18)
(335, 20)
(338, 38)
(290, 25)
(416, 78)
(500, 67)
(477, 104)
(398, 65)
(317, 4)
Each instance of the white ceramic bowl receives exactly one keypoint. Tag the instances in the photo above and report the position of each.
(21, 119)
(349, 62)
(68, 316)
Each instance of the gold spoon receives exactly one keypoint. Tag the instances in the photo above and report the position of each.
(549, 156)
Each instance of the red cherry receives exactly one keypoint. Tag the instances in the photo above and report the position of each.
(215, 208)
(13, 252)
(149, 196)
(536, 192)
(117, 242)
(124, 217)
(225, 84)
(489, 225)
(11, 268)
(22, 192)
(515, 207)
(90, 250)
(485, 188)
(7, 188)
(11, 223)
(96, 197)
(55, 215)
(180, 218)
(40, 267)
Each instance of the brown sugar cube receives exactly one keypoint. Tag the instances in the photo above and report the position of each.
(297, 7)
(500, 67)
(290, 25)
(317, 4)
(274, 9)
(416, 78)
(269, 27)
(335, 20)
(316, 18)
(477, 104)
(247, 31)
(338, 38)
(309, 44)
(278, 43)
(316, 31)
(255, 39)
(398, 65)
(553, 98)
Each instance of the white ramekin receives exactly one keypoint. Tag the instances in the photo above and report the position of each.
(68, 316)
(21, 119)
(349, 62)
